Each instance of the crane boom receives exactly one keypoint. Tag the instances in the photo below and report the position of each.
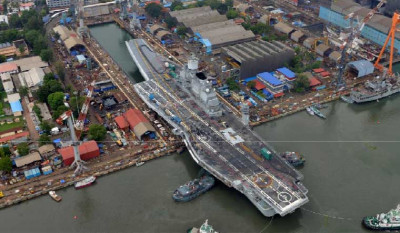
(80, 122)
(355, 33)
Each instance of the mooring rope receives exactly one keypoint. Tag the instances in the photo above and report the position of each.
(268, 224)
(328, 216)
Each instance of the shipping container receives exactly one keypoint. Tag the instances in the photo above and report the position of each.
(266, 153)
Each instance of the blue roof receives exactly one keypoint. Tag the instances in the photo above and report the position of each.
(288, 73)
(81, 57)
(270, 78)
(250, 79)
(58, 140)
(16, 106)
(206, 43)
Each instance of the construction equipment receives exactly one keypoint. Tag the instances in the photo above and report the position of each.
(354, 34)
(80, 123)
(78, 162)
(324, 40)
(391, 36)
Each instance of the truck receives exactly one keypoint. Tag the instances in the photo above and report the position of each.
(266, 153)
(176, 119)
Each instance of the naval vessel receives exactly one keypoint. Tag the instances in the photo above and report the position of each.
(232, 154)
(384, 222)
(193, 188)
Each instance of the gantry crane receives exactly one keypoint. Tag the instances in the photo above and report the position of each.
(354, 34)
(391, 36)
(78, 162)
(80, 122)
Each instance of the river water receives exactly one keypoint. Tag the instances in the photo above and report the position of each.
(351, 171)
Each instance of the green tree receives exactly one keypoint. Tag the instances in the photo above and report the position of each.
(316, 65)
(229, 3)
(23, 91)
(46, 55)
(5, 6)
(301, 83)
(38, 112)
(44, 139)
(231, 14)
(56, 35)
(15, 21)
(3, 26)
(48, 88)
(232, 84)
(60, 70)
(21, 49)
(60, 110)
(181, 30)
(46, 126)
(153, 9)
(23, 149)
(31, 36)
(178, 8)
(175, 4)
(49, 76)
(2, 58)
(34, 23)
(5, 151)
(97, 132)
(76, 104)
(39, 45)
(170, 22)
(55, 99)
(251, 84)
(5, 164)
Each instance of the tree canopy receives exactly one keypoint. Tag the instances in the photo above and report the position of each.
(48, 87)
(23, 149)
(181, 30)
(97, 132)
(55, 100)
(44, 139)
(153, 9)
(5, 164)
(46, 55)
(301, 83)
(231, 14)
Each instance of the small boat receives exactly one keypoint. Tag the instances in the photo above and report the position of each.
(193, 189)
(205, 228)
(320, 106)
(138, 164)
(317, 112)
(55, 197)
(309, 111)
(384, 222)
(85, 182)
(294, 158)
(346, 99)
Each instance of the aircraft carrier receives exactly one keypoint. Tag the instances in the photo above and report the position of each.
(217, 140)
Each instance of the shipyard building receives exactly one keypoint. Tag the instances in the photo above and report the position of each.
(376, 29)
(256, 57)
(212, 29)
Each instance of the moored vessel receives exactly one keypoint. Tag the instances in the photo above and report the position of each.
(55, 197)
(205, 228)
(317, 112)
(384, 222)
(309, 111)
(193, 188)
(294, 158)
(138, 164)
(85, 182)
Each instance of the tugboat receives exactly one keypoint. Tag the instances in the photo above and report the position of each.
(205, 228)
(294, 158)
(85, 182)
(55, 197)
(309, 111)
(384, 222)
(193, 189)
(138, 164)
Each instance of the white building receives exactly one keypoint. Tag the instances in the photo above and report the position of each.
(26, 6)
(58, 3)
(32, 78)
(4, 18)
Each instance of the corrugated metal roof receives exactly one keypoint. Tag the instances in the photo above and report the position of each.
(121, 122)
(13, 137)
(285, 71)
(363, 67)
(270, 78)
(16, 106)
(27, 159)
(335, 55)
(161, 34)
(46, 149)
(283, 27)
(84, 148)
(72, 42)
(8, 67)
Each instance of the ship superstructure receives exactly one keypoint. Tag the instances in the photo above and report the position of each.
(231, 153)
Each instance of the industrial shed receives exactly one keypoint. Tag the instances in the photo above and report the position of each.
(335, 56)
(73, 43)
(156, 28)
(96, 10)
(87, 150)
(163, 35)
(63, 31)
(27, 159)
(283, 28)
(121, 122)
(309, 42)
(323, 50)
(197, 16)
(258, 56)
(298, 36)
(29, 63)
(138, 123)
(361, 68)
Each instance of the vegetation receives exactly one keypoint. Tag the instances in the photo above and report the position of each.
(76, 104)
(97, 132)
(50, 85)
(232, 84)
(176, 4)
(44, 139)
(60, 110)
(251, 84)
(5, 151)
(12, 125)
(232, 14)
(170, 22)
(23, 149)
(23, 91)
(5, 164)
(55, 100)
(36, 109)
(304, 61)
(214, 4)
(153, 9)
(46, 55)
(181, 30)
(46, 127)
(301, 83)
(60, 70)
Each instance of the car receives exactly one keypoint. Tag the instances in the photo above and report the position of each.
(162, 129)
(159, 125)
(156, 122)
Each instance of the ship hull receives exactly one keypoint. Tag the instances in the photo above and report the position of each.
(375, 97)
(193, 196)
(378, 228)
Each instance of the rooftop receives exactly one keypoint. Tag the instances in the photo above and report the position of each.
(16, 106)
(269, 78)
(28, 63)
(8, 67)
(27, 159)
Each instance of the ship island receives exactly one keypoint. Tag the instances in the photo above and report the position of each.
(234, 154)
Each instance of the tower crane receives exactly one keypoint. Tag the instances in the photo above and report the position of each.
(391, 36)
(354, 34)
(78, 162)
(80, 122)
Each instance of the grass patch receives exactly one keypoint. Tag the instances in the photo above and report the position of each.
(6, 126)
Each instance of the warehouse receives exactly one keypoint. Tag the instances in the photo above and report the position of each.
(27, 159)
(197, 16)
(376, 29)
(139, 124)
(283, 28)
(360, 68)
(258, 56)
(96, 10)
(87, 150)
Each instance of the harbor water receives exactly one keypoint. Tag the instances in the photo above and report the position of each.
(351, 171)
